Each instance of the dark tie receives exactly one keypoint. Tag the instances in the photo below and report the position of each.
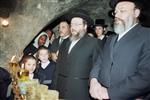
(116, 40)
(61, 40)
(114, 46)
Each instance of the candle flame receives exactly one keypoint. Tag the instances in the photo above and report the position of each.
(22, 66)
(12, 59)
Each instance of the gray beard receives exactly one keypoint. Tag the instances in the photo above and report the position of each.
(118, 29)
(77, 36)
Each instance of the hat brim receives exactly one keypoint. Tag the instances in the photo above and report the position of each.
(83, 16)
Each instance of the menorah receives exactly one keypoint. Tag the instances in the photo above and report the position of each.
(13, 69)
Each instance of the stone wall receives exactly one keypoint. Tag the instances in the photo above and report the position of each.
(30, 16)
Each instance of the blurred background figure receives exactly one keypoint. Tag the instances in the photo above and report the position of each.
(100, 30)
(64, 33)
(50, 34)
(91, 32)
(41, 40)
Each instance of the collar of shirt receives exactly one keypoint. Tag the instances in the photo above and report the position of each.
(44, 65)
(72, 45)
(65, 37)
(101, 37)
(121, 35)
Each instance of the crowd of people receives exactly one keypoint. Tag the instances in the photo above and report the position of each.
(103, 65)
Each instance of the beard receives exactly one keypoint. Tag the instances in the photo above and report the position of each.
(77, 35)
(119, 26)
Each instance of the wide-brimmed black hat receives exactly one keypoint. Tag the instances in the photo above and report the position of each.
(82, 14)
(100, 22)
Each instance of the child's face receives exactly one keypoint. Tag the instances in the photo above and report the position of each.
(43, 55)
(30, 65)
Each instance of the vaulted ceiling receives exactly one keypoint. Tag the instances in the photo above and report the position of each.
(6, 7)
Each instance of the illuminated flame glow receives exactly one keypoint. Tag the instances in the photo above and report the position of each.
(12, 59)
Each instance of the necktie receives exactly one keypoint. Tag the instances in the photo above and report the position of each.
(116, 39)
(61, 40)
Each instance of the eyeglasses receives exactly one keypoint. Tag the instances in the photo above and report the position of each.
(121, 11)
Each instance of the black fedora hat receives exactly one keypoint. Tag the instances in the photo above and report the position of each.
(82, 14)
(100, 22)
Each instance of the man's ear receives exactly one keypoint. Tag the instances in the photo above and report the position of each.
(137, 12)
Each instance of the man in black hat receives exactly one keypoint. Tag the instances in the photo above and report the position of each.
(123, 70)
(100, 29)
(75, 59)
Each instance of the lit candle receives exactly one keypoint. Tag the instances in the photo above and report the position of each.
(12, 59)
(23, 73)
(13, 66)
(13, 62)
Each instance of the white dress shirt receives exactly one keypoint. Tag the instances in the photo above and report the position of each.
(101, 37)
(44, 65)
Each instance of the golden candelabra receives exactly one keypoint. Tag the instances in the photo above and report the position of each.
(13, 69)
(25, 89)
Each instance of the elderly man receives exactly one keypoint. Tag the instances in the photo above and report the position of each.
(123, 72)
(75, 59)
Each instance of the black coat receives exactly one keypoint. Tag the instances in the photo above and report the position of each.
(73, 69)
(56, 45)
(102, 42)
(5, 80)
(124, 67)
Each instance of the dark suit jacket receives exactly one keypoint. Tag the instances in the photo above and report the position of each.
(55, 45)
(45, 74)
(73, 69)
(124, 66)
(5, 80)
(102, 42)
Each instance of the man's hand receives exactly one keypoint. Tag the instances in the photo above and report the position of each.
(95, 89)
(104, 93)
